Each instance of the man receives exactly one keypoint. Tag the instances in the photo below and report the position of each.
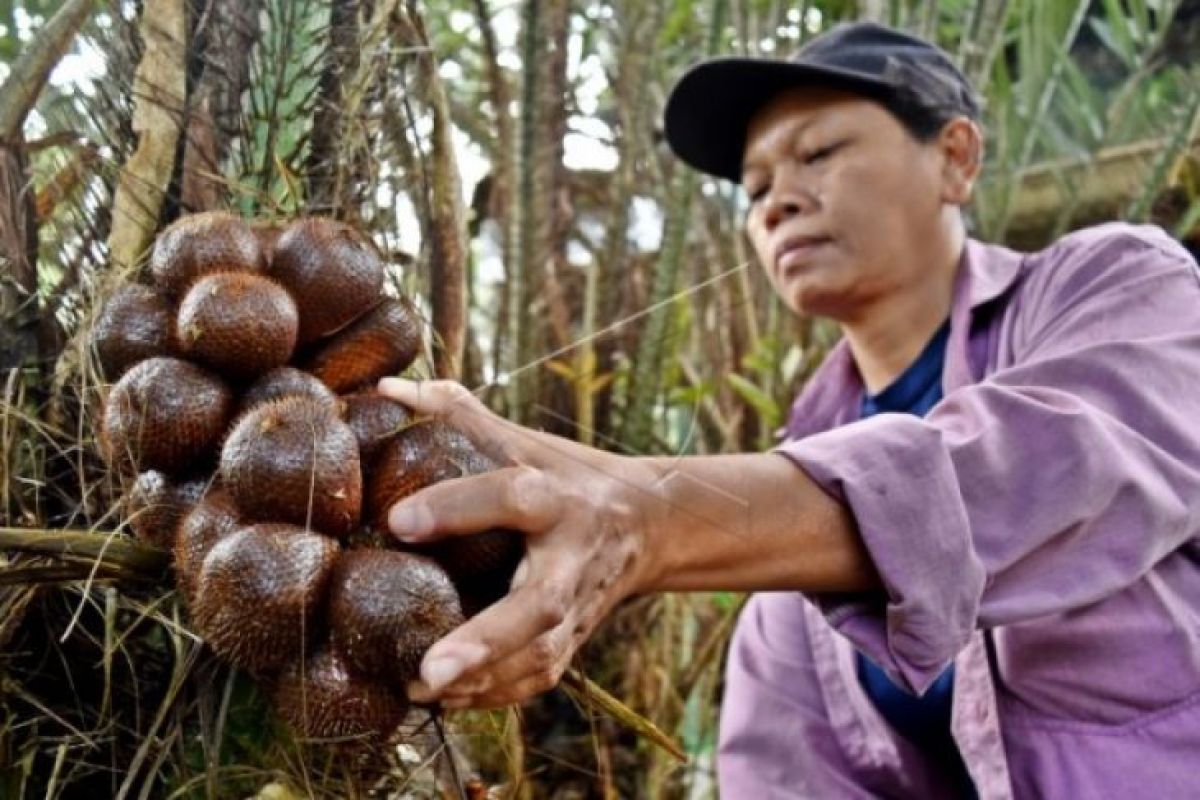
(978, 546)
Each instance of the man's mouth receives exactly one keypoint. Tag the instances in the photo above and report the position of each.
(794, 251)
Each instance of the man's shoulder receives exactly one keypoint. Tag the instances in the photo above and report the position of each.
(1109, 241)
(1097, 256)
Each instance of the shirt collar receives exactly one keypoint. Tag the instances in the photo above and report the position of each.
(991, 270)
(833, 394)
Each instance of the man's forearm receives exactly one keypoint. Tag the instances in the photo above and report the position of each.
(600, 526)
(748, 522)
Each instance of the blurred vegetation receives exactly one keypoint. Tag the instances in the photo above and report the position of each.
(507, 155)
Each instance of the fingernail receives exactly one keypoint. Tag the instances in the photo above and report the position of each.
(518, 578)
(411, 521)
(443, 665)
(441, 671)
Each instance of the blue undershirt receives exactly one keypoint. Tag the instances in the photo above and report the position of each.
(925, 720)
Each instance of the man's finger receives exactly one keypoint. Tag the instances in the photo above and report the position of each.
(432, 398)
(453, 403)
(504, 441)
(496, 632)
(543, 658)
(513, 497)
(506, 695)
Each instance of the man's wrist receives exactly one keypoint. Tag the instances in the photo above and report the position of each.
(640, 510)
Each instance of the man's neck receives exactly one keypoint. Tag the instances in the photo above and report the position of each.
(888, 339)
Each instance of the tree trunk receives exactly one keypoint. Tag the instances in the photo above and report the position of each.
(638, 425)
(550, 270)
(18, 215)
(448, 233)
(341, 61)
(159, 86)
(29, 74)
(225, 36)
(981, 39)
(608, 273)
(498, 190)
(522, 386)
(18, 260)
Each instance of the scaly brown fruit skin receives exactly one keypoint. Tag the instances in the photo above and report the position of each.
(211, 520)
(374, 419)
(284, 382)
(334, 273)
(481, 566)
(156, 505)
(323, 698)
(294, 460)
(382, 342)
(386, 608)
(238, 325)
(164, 414)
(200, 244)
(426, 452)
(259, 594)
(135, 324)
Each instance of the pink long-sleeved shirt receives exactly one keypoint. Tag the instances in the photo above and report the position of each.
(1040, 528)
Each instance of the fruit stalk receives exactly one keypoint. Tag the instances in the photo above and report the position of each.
(107, 551)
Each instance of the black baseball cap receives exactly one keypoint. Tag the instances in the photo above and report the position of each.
(710, 107)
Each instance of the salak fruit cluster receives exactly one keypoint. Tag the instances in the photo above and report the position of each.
(244, 414)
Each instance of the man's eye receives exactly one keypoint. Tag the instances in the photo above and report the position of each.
(757, 193)
(820, 154)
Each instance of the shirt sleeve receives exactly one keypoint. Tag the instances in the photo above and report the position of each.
(1048, 486)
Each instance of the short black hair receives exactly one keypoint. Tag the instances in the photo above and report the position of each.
(922, 122)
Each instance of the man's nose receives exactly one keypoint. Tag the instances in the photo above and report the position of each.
(788, 197)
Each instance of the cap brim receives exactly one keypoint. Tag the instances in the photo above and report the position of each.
(711, 106)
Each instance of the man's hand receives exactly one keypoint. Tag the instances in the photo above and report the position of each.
(599, 527)
(585, 548)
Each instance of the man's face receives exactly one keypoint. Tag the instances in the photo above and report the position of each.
(845, 205)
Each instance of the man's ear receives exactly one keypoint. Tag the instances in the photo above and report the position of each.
(961, 145)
